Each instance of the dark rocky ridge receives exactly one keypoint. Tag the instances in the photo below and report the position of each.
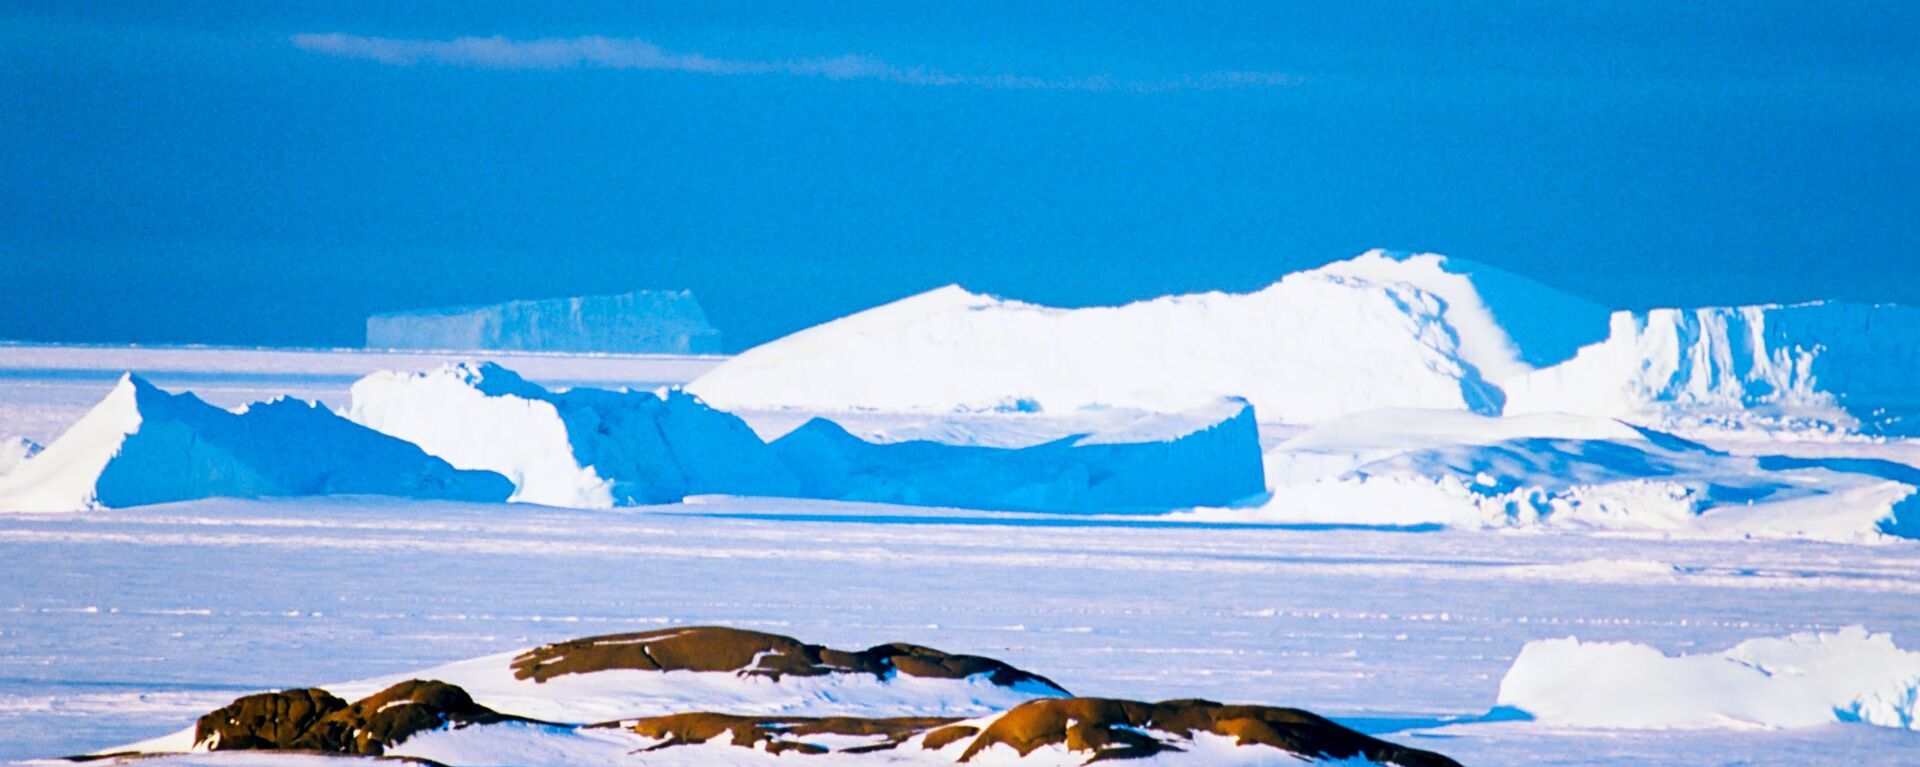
(1112, 729)
(754, 653)
(1102, 729)
(316, 720)
(751, 732)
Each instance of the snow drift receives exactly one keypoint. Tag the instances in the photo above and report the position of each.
(1800, 680)
(1377, 331)
(1826, 366)
(15, 451)
(584, 448)
(1451, 468)
(1206, 456)
(141, 445)
(647, 321)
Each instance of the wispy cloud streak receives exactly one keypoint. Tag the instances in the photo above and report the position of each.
(632, 53)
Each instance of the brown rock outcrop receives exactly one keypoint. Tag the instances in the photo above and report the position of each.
(1122, 729)
(754, 653)
(777, 733)
(316, 720)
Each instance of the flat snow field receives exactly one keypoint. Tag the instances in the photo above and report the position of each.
(122, 625)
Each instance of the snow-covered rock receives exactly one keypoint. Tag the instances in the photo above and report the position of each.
(1461, 469)
(142, 445)
(15, 451)
(722, 696)
(1825, 366)
(1205, 456)
(585, 448)
(1353, 336)
(1800, 680)
(647, 321)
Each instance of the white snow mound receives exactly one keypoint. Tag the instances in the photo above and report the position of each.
(582, 448)
(1316, 345)
(1800, 680)
(141, 445)
(1460, 469)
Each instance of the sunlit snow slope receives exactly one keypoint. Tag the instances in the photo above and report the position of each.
(1376, 331)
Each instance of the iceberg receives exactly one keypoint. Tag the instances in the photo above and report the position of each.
(582, 448)
(1354, 336)
(1828, 366)
(642, 322)
(142, 445)
(1802, 680)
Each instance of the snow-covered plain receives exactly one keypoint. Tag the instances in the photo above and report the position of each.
(126, 624)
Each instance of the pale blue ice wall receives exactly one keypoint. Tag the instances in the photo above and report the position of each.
(647, 321)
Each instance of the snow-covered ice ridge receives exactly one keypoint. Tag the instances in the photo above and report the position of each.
(1313, 346)
(646, 321)
(1381, 330)
(481, 432)
(142, 445)
(1400, 467)
(1801, 680)
(596, 448)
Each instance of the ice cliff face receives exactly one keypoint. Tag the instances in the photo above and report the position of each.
(648, 321)
(1828, 366)
(588, 448)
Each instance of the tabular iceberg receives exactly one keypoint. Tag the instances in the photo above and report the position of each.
(642, 322)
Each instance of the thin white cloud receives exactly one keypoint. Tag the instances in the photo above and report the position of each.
(632, 53)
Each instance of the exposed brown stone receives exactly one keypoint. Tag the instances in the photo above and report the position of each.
(776, 732)
(1102, 729)
(947, 736)
(1111, 729)
(753, 653)
(316, 720)
(266, 721)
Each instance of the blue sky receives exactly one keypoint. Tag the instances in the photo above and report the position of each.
(218, 172)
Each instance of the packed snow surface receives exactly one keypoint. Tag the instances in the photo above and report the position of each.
(1507, 324)
(15, 451)
(1314, 346)
(1801, 680)
(1822, 366)
(647, 321)
(142, 445)
(1452, 468)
